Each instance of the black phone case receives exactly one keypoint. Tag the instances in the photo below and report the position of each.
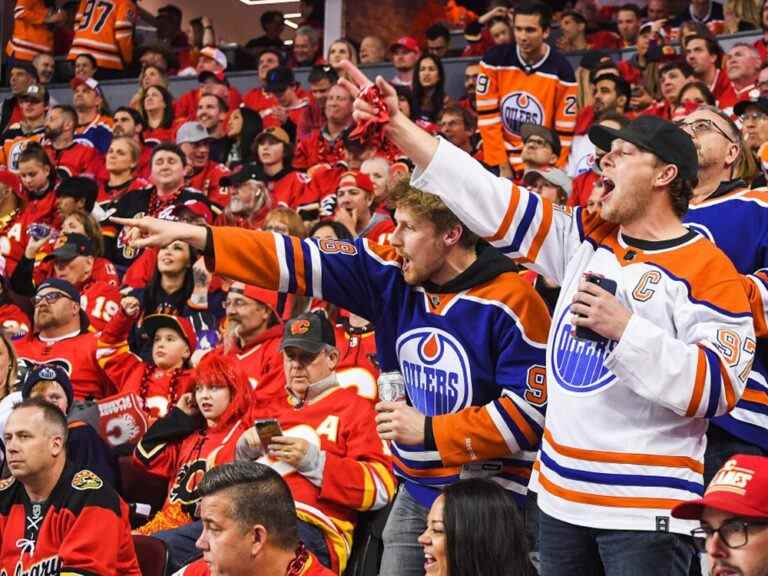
(608, 285)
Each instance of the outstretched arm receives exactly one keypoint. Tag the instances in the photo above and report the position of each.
(417, 144)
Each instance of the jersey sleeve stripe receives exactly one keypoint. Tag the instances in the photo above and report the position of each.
(283, 282)
(509, 216)
(289, 262)
(541, 233)
(715, 382)
(698, 388)
(525, 222)
(625, 457)
(385, 476)
(298, 265)
(369, 489)
(513, 438)
(517, 423)
(613, 479)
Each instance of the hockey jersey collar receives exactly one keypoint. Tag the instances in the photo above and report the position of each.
(490, 263)
(531, 67)
(727, 186)
(657, 245)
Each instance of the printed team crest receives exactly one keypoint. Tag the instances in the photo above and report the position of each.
(86, 480)
(579, 365)
(436, 370)
(300, 327)
(519, 108)
(7, 483)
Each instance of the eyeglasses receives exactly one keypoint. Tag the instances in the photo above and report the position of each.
(756, 115)
(235, 303)
(536, 142)
(702, 126)
(734, 533)
(49, 298)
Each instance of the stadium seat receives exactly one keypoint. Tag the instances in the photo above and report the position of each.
(139, 487)
(152, 555)
(368, 545)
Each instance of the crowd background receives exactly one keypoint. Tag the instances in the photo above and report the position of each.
(268, 152)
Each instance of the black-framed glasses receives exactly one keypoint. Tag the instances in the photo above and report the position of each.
(733, 533)
(702, 125)
(49, 298)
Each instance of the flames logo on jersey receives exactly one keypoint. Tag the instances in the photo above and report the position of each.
(518, 108)
(579, 365)
(436, 370)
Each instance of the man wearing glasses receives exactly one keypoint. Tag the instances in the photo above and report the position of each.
(754, 121)
(734, 518)
(61, 337)
(722, 203)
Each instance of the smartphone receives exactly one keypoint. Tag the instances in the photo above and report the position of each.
(608, 285)
(267, 429)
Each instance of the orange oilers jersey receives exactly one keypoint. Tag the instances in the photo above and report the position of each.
(104, 29)
(511, 93)
(31, 36)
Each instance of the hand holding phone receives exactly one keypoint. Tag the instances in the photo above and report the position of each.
(583, 333)
(267, 429)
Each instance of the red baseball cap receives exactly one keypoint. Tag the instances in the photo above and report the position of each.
(356, 179)
(90, 82)
(739, 487)
(183, 326)
(12, 181)
(267, 297)
(197, 207)
(407, 42)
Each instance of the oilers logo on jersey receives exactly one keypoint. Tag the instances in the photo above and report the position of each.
(579, 365)
(436, 370)
(519, 108)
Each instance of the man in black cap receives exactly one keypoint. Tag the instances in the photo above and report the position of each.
(31, 128)
(754, 121)
(326, 441)
(21, 75)
(282, 85)
(73, 262)
(249, 198)
(61, 333)
(76, 193)
(636, 348)
(541, 147)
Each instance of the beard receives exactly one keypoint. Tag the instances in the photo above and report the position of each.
(231, 338)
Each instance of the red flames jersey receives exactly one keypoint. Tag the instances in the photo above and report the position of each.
(176, 448)
(13, 239)
(357, 366)
(82, 529)
(208, 181)
(77, 354)
(358, 470)
(262, 364)
(317, 149)
(79, 159)
(14, 321)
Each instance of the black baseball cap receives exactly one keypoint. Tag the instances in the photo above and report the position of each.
(760, 103)
(78, 187)
(71, 292)
(51, 372)
(279, 79)
(250, 171)
(657, 136)
(310, 331)
(549, 136)
(75, 245)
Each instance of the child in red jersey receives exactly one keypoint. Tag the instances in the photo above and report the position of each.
(161, 382)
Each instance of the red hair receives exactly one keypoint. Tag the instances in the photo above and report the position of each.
(215, 372)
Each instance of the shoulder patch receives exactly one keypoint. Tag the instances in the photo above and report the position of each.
(86, 480)
(7, 483)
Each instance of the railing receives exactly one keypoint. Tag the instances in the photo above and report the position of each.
(119, 92)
